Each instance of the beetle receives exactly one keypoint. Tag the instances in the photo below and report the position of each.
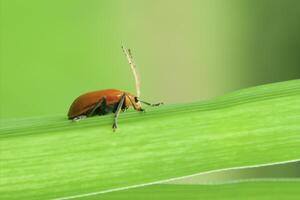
(107, 101)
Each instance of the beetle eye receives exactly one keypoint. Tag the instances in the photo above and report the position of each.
(136, 99)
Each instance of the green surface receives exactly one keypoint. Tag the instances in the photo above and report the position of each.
(261, 190)
(52, 51)
(52, 157)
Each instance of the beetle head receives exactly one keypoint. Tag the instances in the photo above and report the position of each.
(131, 100)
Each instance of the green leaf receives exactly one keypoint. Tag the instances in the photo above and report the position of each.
(51, 157)
(261, 190)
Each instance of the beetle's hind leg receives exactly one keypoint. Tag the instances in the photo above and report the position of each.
(78, 118)
(101, 104)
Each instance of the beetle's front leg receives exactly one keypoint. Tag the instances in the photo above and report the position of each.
(117, 112)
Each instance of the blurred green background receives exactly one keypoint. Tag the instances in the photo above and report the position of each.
(51, 51)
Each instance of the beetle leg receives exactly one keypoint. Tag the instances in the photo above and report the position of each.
(101, 103)
(118, 110)
(78, 118)
(150, 104)
(103, 110)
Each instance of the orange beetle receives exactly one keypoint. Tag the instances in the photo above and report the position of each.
(103, 102)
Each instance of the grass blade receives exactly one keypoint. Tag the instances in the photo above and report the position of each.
(50, 157)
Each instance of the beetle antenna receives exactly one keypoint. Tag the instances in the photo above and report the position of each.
(133, 68)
